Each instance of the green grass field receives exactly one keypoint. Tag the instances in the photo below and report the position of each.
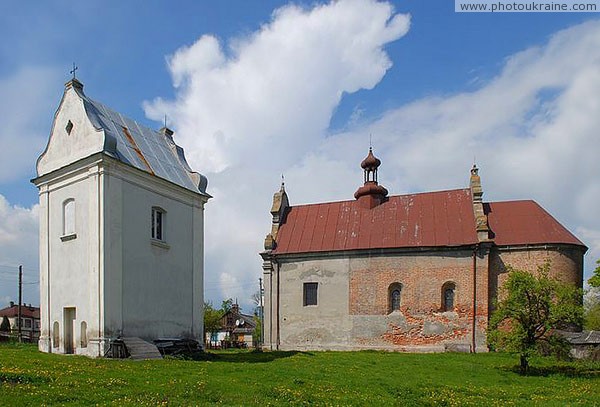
(28, 377)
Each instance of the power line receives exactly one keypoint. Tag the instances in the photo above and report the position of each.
(13, 267)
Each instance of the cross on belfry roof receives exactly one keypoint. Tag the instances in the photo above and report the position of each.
(72, 71)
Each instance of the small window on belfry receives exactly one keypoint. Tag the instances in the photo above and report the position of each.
(158, 223)
(69, 127)
(68, 217)
(395, 297)
(448, 291)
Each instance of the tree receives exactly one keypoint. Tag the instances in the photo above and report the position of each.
(226, 305)
(212, 319)
(531, 307)
(591, 318)
(257, 334)
(257, 300)
(592, 302)
(594, 281)
(5, 325)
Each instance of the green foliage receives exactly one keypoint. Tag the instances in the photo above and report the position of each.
(256, 335)
(591, 318)
(226, 305)
(212, 318)
(594, 281)
(531, 307)
(31, 378)
(5, 325)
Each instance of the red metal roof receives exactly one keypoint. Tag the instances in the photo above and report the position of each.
(26, 312)
(525, 222)
(431, 219)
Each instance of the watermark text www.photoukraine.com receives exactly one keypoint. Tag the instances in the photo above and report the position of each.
(505, 6)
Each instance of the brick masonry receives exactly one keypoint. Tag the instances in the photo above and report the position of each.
(353, 310)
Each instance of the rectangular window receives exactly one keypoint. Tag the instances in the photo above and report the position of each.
(158, 220)
(28, 323)
(310, 293)
(69, 217)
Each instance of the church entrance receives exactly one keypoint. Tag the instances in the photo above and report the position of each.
(69, 319)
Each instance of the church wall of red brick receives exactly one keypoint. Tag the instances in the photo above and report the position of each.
(566, 263)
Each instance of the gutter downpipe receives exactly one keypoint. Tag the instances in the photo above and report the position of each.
(271, 307)
(474, 324)
(278, 333)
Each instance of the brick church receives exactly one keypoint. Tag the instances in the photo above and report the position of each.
(415, 272)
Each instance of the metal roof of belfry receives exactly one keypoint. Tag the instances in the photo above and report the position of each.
(144, 148)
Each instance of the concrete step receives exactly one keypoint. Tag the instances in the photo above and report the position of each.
(139, 349)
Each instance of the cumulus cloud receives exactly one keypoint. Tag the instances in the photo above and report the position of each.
(277, 88)
(533, 130)
(18, 246)
(254, 107)
(249, 109)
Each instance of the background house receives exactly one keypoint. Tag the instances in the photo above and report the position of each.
(30, 320)
(121, 231)
(414, 272)
(237, 330)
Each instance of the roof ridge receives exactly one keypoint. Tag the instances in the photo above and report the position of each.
(389, 197)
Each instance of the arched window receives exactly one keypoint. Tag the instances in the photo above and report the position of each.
(69, 217)
(394, 297)
(448, 291)
(83, 334)
(55, 335)
(158, 223)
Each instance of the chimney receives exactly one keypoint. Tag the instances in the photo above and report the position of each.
(12, 303)
(167, 132)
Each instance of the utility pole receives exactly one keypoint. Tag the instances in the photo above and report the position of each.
(20, 301)
(262, 312)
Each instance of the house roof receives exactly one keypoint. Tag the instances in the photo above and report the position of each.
(430, 219)
(443, 218)
(582, 338)
(525, 222)
(26, 312)
(141, 147)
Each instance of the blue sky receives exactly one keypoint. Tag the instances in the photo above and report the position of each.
(254, 89)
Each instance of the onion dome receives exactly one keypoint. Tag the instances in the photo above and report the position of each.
(371, 193)
(370, 162)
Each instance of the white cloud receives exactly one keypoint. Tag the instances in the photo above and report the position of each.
(249, 109)
(18, 246)
(533, 128)
(277, 88)
(261, 106)
(25, 103)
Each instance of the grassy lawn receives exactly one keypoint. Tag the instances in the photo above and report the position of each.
(28, 377)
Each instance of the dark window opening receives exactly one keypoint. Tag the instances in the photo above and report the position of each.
(394, 297)
(69, 127)
(448, 296)
(158, 220)
(396, 300)
(310, 293)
